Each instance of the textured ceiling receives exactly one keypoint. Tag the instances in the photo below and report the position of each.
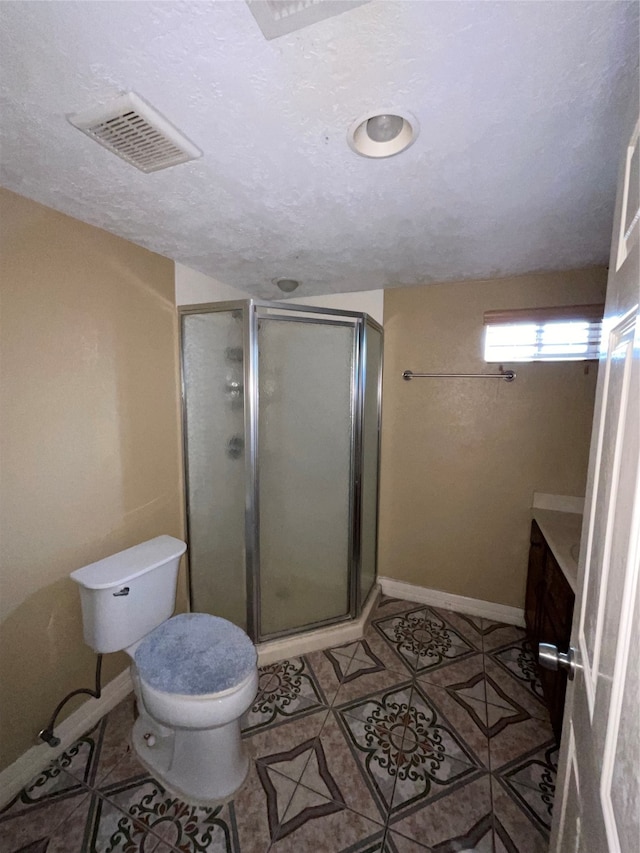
(520, 107)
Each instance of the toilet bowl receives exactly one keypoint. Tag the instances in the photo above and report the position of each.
(194, 675)
(204, 711)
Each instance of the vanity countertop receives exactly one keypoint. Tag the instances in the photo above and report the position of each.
(562, 531)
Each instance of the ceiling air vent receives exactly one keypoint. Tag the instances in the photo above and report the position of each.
(133, 130)
(279, 17)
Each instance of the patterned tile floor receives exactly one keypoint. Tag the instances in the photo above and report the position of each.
(428, 734)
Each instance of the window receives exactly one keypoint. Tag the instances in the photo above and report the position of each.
(570, 333)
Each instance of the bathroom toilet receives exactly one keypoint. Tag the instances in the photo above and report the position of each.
(194, 675)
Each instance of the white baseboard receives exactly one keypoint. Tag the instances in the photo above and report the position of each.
(449, 601)
(315, 641)
(34, 760)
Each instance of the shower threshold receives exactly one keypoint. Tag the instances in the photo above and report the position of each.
(318, 639)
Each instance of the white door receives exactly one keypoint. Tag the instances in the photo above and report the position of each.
(598, 793)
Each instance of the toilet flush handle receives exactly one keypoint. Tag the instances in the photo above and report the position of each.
(123, 591)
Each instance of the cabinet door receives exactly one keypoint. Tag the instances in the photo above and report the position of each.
(555, 628)
(554, 684)
(559, 599)
(535, 585)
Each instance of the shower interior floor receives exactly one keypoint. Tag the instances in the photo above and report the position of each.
(428, 734)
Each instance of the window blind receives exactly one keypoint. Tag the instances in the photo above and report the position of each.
(590, 313)
(566, 333)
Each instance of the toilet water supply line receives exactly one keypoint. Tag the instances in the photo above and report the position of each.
(47, 734)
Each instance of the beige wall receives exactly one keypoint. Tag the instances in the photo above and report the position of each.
(89, 448)
(193, 287)
(462, 458)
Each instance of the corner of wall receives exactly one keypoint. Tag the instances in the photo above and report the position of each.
(193, 287)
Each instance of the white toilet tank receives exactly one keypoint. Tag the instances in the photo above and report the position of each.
(127, 595)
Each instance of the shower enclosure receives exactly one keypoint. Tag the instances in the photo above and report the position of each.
(281, 410)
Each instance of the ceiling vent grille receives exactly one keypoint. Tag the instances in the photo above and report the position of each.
(132, 129)
(279, 17)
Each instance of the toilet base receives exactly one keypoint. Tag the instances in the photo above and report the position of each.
(201, 766)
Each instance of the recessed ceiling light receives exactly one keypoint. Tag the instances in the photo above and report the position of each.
(382, 133)
(287, 285)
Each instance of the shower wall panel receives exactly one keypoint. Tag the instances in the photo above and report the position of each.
(212, 359)
(370, 459)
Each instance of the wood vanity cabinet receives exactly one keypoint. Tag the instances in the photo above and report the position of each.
(548, 615)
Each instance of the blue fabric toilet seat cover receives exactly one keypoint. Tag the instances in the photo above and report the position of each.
(195, 654)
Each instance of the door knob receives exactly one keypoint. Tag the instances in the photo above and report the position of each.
(550, 658)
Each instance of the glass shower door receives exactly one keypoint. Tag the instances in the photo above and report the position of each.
(306, 378)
